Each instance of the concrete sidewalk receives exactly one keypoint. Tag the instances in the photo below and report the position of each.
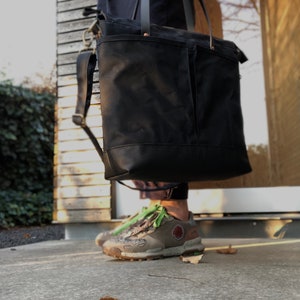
(261, 269)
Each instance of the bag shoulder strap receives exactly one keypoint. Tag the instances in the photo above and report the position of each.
(85, 67)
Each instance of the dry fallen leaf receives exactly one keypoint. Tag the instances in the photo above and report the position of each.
(228, 250)
(27, 235)
(108, 298)
(194, 259)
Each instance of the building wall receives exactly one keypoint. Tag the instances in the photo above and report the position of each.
(281, 31)
(81, 192)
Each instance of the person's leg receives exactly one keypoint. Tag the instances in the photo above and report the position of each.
(166, 229)
(176, 208)
(173, 199)
(166, 224)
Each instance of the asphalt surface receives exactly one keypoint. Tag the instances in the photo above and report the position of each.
(27, 235)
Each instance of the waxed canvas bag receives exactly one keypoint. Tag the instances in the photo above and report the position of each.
(170, 102)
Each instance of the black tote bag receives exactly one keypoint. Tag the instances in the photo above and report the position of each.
(170, 102)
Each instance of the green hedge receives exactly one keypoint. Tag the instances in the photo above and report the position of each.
(26, 152)
(25, 209)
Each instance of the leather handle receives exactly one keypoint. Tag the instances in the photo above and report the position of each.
(145, 18)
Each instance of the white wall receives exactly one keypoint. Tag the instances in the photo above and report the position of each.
(213, 201)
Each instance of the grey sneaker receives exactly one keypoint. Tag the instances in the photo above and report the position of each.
(158, 235)
(126, 225)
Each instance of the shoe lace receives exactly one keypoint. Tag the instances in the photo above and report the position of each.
(162, 213)
(153, 215)
(146, 211)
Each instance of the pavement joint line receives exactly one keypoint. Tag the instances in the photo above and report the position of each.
(253, 245)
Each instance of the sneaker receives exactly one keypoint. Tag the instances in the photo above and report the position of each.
(126, 225)
(158, 235)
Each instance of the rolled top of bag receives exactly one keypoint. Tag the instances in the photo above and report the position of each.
(123, 29)
(123, 26)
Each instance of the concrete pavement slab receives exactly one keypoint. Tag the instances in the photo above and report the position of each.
(71, 270)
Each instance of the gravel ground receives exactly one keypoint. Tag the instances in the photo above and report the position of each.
(28, 235)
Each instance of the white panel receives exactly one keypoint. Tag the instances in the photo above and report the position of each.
(245, 200)
(215, 201)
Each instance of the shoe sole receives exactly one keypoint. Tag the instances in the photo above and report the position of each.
(188, 248)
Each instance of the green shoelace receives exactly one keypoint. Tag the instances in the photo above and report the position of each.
(145, 213)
